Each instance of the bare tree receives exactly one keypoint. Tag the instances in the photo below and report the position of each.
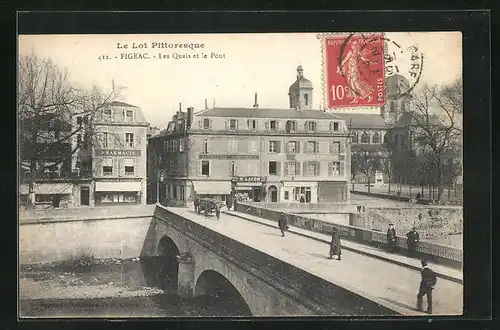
(355, 166)
(369, 162)
(436, 124)
(388, 161)
(48, 108)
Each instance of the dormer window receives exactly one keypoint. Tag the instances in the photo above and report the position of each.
(335, 126)
(252, 124)
(273, 125)
(129, 116)
(107, 114)
(206, 123)
(310, 126)
(291, 126)
(306, 99)
(233, 124)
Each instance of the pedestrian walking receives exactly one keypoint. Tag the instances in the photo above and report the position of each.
(335, 246)
(283, 224)
(412, 239)
(196, 204)
(427, 284)
(217, 210)
(391, 238)
(235, 203)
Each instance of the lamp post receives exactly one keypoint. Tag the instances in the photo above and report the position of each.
(159, 178)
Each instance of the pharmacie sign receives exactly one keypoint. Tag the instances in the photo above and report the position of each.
(117, 152)
(262, 179)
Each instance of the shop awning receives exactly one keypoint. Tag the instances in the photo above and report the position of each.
(212, 187)
(118, 186)
(53, 188)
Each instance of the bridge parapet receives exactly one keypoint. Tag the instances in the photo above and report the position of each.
(437, 253)
(294, 285)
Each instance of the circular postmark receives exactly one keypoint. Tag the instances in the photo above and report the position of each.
(399, 61)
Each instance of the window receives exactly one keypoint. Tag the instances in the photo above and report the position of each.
(174, 145)
(334, 147)
(376, 138)
(129, 166)
(312, 147)
(79, 120)
(233, 146)
(205, 167)
(171, 167)
(233, 124)
(306, 99)
(312, 168)
(105, 137)
(335, 126)
(181, 145)
(291, 126)
(393, 106)
(287, 195)
(310, 126)
(107, 166)
(129, 139)
(293, 147)
(181, 193)
(107, 114)
(354, 137)
(129, 115)
(273, 168)
(206, 123)
(252, 124)
(365, 138)
(333, 168)
(273, 125)
(292, 168)
(205, 146)
(274, 147)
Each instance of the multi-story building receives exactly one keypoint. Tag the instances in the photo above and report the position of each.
(119, 159)
(92, 159)
(275, 155)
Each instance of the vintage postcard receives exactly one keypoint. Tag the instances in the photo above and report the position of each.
(277, 174)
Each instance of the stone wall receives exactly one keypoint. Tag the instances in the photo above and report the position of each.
(434, 252)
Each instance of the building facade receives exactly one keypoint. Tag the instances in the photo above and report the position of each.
(101, 161)
(274, 155)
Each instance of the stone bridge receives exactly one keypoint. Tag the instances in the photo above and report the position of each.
(204, 262)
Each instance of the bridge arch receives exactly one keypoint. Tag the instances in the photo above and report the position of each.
(168, 264)
(222, 293)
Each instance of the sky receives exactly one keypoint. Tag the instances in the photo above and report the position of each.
(235, 68)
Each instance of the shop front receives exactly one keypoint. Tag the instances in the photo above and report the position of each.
(118, 192)
(212, 189)
(53, 195)
(300, 192)
(248, 188)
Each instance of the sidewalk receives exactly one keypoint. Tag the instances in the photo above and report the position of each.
(447, 273)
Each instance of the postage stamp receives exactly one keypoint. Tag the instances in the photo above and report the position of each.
(354, 70)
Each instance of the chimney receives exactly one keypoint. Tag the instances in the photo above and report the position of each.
(255, 105)
(189, 118)
(206, 104)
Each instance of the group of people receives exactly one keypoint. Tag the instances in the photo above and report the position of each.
(428, 277)
(217, 207)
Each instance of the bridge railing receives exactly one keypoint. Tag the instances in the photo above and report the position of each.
(434, 252)
(306, 207)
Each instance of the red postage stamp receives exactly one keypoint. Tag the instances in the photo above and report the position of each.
(354, 70)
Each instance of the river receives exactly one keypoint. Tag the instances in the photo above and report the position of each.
(98, 291)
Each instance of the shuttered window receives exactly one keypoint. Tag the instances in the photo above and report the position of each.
(292, 168)
(334, 169)
(312, 147)
(334, 147)
(274, 147)
(107, 166)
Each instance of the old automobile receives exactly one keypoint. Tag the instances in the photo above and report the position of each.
(207, 205)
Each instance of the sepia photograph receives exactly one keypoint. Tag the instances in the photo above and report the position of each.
(239, 175)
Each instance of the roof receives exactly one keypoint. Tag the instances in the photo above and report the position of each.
(363, 120)
(121, 104)
(301, 82)
(267, 113)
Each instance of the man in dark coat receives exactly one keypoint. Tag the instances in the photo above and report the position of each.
(196, 204)
(283, 224)
(391, 238)
(427, 284)
(217, 210)
(335, 246)
(235, 203)
(412, 239)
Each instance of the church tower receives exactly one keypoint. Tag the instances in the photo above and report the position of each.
(300, 92)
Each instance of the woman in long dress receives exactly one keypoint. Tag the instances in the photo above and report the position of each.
(335, 246)
(357, 88)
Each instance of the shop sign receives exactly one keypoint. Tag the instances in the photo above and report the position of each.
(262, 179)
(208, 156)
(118, 152)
